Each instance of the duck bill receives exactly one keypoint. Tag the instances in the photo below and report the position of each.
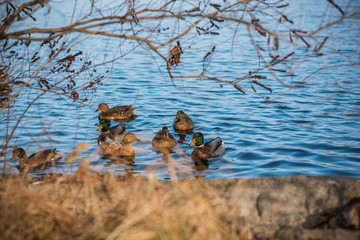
(138, 140)
(13, 157)
(100, 127)
(193, 141)
(96, 110)
(176, 120)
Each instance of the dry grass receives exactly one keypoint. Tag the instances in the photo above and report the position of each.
(112, 207)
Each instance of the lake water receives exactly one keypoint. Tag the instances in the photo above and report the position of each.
(313, 129)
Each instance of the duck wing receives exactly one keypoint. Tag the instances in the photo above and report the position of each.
(189, 121)
(215, 146)
(158, 137)
(119, 112)
(110, 148)
(201, 153)
(42, 157)
(123, 109)
(118, 132)
(104, 137)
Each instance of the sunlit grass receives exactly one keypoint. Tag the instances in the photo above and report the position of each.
(113, 207)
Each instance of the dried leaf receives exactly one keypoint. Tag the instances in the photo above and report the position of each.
(208, 54)
(253, 88)
(262, 85)
(277, 70)
(74, 95)
(258, 77)
(217, 6)
(282, 6)
(288, 20)
(276, 42)
(239, 88)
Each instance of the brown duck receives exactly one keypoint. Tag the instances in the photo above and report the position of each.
(183, 122)
(115, 113)
(117, 149)
(163, 139)
(37, 161)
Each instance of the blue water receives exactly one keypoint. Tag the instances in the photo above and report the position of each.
(313, 129)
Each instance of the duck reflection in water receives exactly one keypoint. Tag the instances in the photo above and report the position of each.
(127, 161)
(201, 165)
(182, 135)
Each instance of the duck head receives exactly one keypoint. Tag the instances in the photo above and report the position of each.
(18, 152)
(104, 125)
(198, 139)
(103, 107)
(179, 115)
(130, 137)
(165, 132)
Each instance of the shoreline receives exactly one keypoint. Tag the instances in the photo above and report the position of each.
(114, 207)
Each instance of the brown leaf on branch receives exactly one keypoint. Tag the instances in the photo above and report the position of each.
(175, 54)
(74, 96)
(239, 88)
(262, 85)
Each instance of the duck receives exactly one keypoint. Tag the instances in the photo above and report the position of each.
(183, 122)
(115, 113)
(117, 149)
(163, 139)
(116, 133)
(37, 161)
(204, 151)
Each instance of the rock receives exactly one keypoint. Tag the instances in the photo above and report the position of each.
(296, 207)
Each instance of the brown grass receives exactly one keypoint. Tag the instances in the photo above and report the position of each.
(113, 207)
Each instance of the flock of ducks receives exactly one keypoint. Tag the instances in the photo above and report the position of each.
(115, 141)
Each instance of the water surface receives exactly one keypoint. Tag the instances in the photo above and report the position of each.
(312, 130)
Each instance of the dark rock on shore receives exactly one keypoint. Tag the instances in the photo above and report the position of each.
(296, 207)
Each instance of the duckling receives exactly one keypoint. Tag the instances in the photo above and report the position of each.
(116, 133)
(163, 139)
(115, 113)
(183, 122)
(203, 151)
(116, 149)
(40, 160)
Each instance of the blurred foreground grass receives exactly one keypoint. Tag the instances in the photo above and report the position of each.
(113, 207)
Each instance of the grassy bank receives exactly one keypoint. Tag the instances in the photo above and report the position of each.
(112, 207)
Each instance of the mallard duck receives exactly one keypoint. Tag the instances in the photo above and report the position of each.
(40, 160)
(163, 139)
(183, 122)
(203, 151)
(116, 133)
(115, 113)
(117, 149)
